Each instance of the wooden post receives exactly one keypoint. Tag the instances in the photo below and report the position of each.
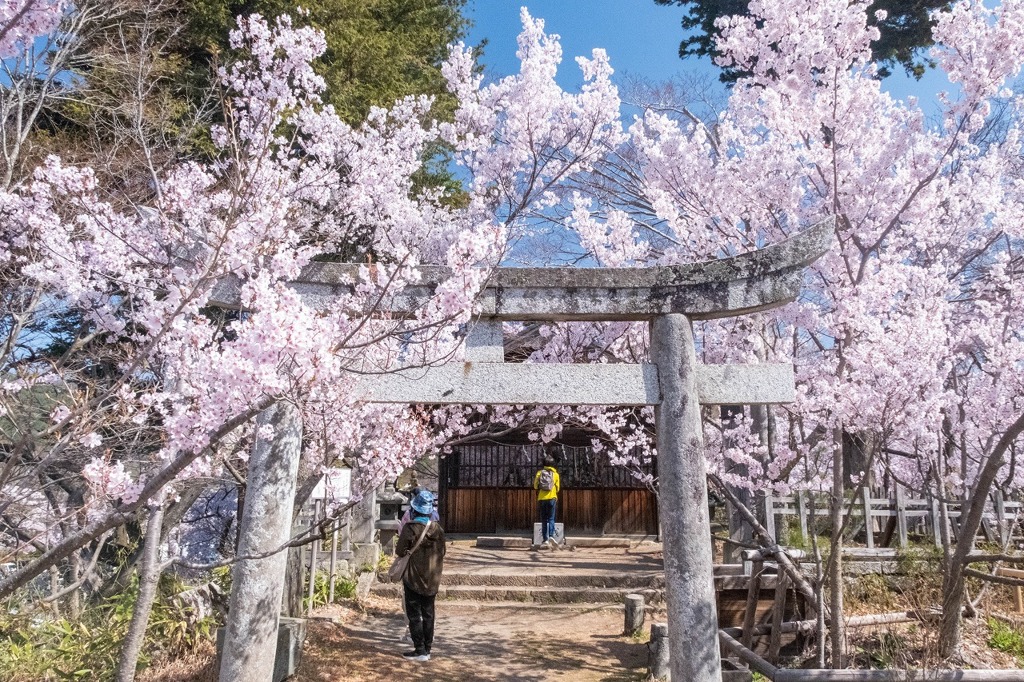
(634, 614)
(1003, 529)
(313, 555)
(936, 522)
(753, 596)
(346, 535)
(334, 559)
(869, 526)
(769, 516)
(801, 510)
(659, 652)
(901, 516)
(1018, 591)
(778, 616)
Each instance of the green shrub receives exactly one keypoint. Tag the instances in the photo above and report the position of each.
(344, 588)
(43, 647)
(1007, 638)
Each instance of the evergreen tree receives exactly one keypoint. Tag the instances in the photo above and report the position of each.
(906, 31)
(142, 94)
(377, 50)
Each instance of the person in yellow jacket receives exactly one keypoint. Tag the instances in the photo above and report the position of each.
(547, 484)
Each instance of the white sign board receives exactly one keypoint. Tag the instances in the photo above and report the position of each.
(334, 487)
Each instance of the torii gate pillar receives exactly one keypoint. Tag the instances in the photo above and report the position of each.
(254, 608)
(683, 504)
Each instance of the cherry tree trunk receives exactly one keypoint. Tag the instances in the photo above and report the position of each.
(149, 579)
(837, 626)
(953, 581)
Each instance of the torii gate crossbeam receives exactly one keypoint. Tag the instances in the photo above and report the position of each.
(669, 298)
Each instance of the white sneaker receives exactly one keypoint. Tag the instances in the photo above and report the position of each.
(552, 543)
(420, 656)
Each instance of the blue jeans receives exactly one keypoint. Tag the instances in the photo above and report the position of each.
(547, 518)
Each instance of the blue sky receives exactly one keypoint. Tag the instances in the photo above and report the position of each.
(642, 39)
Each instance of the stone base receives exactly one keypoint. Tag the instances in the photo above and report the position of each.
(388, 540)
(367, 554)
(364, 583)
(494, 542)
(291, 633)
(559, 533)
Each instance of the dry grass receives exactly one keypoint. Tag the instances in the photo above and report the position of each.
(915, 645)
(198, 667)
(505, 644)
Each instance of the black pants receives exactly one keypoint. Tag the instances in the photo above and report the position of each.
(420, 610)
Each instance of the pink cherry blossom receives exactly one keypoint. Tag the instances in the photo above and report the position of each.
(21, 21)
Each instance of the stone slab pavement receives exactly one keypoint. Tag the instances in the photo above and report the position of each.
(641, 558)
(475, 642)
(487, 641)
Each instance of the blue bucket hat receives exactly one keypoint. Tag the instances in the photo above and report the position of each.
(423, 503)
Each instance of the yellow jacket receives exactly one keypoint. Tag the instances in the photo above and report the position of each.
(547, 494)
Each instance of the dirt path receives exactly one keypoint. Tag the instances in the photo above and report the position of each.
(485, 642)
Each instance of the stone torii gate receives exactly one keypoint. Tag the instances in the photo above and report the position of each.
(669, 298)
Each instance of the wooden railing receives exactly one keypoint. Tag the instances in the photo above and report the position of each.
(894, 518)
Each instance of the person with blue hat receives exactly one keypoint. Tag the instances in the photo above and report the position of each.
(423, 541)
(407, 516)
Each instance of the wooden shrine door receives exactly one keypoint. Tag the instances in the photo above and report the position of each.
(488, 489)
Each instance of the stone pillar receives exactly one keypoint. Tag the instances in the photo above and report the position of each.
(739, 529)
(251, 633)
(363, 531)
(763, 427)
(683, 505)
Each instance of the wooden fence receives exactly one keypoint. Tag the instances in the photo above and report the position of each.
(894, 519)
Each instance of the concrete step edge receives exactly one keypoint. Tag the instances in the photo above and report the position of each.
(656, 582)
(477, 605)
(498, 542)
(566, 595)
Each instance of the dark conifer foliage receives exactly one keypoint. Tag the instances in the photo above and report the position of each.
(905, 32)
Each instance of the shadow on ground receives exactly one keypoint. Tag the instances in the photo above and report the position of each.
(477, 643)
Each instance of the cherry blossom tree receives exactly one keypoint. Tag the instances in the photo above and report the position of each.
(154, 386)
(908, 332)
(907, 337)
(21, 21)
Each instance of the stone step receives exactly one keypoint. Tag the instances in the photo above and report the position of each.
(631, 581)
(497, 542)
(574, 580)
(539, 595)
(656, 610)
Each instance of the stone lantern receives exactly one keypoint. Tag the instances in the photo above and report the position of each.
(391, 504)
